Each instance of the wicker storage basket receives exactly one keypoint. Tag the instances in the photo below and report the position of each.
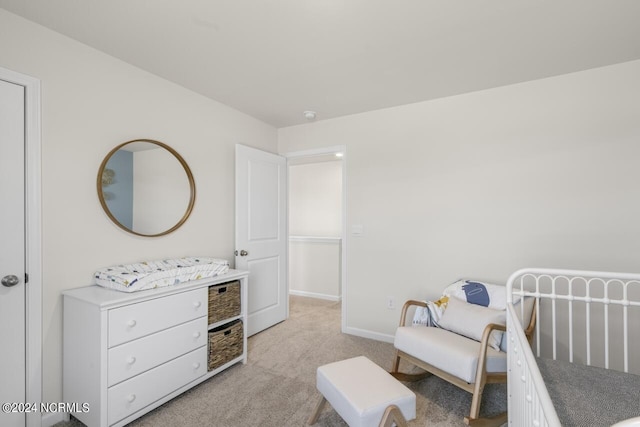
(224, 301)
(225, 344)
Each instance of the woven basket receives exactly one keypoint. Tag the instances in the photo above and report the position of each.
(224, 301)
(225, 344)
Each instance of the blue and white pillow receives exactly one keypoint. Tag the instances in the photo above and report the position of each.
(479, 293)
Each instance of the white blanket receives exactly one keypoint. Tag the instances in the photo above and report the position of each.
(155, 274)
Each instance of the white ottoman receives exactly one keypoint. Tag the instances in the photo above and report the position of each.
(364, 394)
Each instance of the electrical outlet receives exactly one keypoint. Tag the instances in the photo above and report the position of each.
(391, 303)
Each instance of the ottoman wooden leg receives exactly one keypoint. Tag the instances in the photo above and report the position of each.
(393, 414)
(316, 412)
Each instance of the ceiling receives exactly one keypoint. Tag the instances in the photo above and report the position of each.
(274, 59)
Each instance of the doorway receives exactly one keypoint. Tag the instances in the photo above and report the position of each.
(316, 224)
(20, 261)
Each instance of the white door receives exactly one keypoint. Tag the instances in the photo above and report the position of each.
(12, 252)
(261, 234)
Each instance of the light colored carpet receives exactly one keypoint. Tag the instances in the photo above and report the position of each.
(277, 386)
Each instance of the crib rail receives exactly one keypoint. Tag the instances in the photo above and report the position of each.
(529, 402)
(583, 317)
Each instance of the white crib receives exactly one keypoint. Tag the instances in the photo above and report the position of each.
(586, 322)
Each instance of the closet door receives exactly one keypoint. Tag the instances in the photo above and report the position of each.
(12, 253)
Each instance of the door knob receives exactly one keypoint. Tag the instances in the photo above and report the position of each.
(10, 280)
(244, 253)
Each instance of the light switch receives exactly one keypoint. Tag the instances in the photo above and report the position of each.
(357, 230)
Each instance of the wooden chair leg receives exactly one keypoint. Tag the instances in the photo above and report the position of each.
(316, 412)
(393, 415)
(476, 400)
(396, 363)
(473, 418)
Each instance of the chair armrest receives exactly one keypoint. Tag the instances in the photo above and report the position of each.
(481, 368)
(484, 344)
(491, 327)
(405, 307)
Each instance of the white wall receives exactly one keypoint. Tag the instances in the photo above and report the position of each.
(540, 174)
(90, 103)
(315, 211)
(315, 199)
(314, 267)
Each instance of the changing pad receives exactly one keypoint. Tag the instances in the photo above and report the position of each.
(156, 274)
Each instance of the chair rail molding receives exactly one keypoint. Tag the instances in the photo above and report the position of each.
(315, 239)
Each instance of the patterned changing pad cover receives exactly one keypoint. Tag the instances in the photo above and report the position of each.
(156, 274)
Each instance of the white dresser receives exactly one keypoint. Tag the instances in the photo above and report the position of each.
(127, 353)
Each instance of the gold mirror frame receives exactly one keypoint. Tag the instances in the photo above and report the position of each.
(192, 187)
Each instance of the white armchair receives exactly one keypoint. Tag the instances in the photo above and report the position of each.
(465, 350)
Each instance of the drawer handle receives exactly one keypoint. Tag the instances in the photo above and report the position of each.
(131, 323)
(227, 332)
(131, 360)
(196, 334)
(197, 304)
(222, 290)
(131, 398)
(196, 365)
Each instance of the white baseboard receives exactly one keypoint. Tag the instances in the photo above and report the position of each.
(314, 295)
(368, 334)
(52, 418)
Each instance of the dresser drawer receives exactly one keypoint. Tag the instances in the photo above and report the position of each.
(135, 357)
(134, 394)
(137, 320)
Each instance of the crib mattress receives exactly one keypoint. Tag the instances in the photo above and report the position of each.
(160, 273)
(590, 396)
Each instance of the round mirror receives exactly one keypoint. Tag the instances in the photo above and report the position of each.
(146, 187)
